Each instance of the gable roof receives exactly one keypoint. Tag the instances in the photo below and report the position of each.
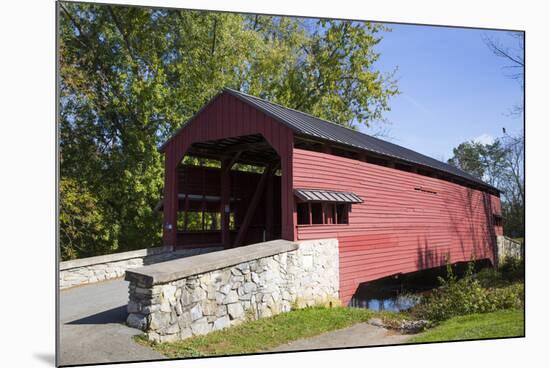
(311, 126)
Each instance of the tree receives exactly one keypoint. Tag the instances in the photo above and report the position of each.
(484, 161)
(83, 230)
(513, 185)
(323, 67)
(515, 62)
(130, 76)
(499, 164)
(467, 157)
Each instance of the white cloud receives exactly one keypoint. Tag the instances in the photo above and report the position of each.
(484, 139)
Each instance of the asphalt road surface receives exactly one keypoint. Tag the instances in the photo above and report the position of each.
(92, 326)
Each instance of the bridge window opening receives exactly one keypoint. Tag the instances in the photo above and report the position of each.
(330, 214)
(316, 214)
(202, 221)
(302, 210)
(324, 207)
(342, 211)
(323, 213)
(200, 161)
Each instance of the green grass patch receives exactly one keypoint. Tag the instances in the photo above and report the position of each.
(504, 323)
(268, 333)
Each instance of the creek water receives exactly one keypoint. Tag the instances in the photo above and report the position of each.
(388, 295)
(400, 292)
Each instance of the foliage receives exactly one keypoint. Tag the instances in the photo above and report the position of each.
(504, 323)
(500, 164)
(130, 76)
(456, 297)
(82, 226)
(513, 187)
(512, 177)
(513, 268)
(322, 67)
(267, 333)
(484, 161)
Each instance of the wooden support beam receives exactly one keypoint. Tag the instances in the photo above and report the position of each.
(229, 165)
(186, 213)
(170, 201)
(295, 220)
(203, 201)
(203, 207)
(204, 154)
(269, 209)
(224, 202)
(247, 147)
(252, 207)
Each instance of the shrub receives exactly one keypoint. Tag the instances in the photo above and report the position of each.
(513, 269)
(467, 295)
(491, 277)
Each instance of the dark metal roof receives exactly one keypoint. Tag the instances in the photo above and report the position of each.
(311, 126)
(314, 195)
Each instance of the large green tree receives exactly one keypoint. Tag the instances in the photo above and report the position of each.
(130, 76)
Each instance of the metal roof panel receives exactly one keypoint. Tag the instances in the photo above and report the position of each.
(308, 125)
(317, 195)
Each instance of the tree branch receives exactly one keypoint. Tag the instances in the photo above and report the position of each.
(118, 26)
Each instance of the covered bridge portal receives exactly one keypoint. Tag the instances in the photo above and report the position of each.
(277, 173)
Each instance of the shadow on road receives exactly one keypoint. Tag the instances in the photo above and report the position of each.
(115, 315)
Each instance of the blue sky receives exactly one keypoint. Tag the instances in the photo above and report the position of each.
(453, 88)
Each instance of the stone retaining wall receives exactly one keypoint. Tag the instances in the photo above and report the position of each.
(508, 248)
(94, 269)
(205, 293)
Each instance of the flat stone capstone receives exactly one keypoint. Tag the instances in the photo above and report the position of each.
(165, 272)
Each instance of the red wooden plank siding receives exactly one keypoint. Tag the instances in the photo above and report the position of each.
(397, 229)
(226, 116)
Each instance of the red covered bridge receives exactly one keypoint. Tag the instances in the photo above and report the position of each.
(275, 172)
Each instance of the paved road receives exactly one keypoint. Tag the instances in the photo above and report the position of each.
(361, 334)
(92, 326)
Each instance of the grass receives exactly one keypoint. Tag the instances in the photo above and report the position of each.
(504, 323)
(502, 288)
(268, 333)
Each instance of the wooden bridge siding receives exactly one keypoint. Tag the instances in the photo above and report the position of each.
(397, 229)
(226, 116)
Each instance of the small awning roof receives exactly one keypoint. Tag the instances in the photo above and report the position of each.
(315, 195)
